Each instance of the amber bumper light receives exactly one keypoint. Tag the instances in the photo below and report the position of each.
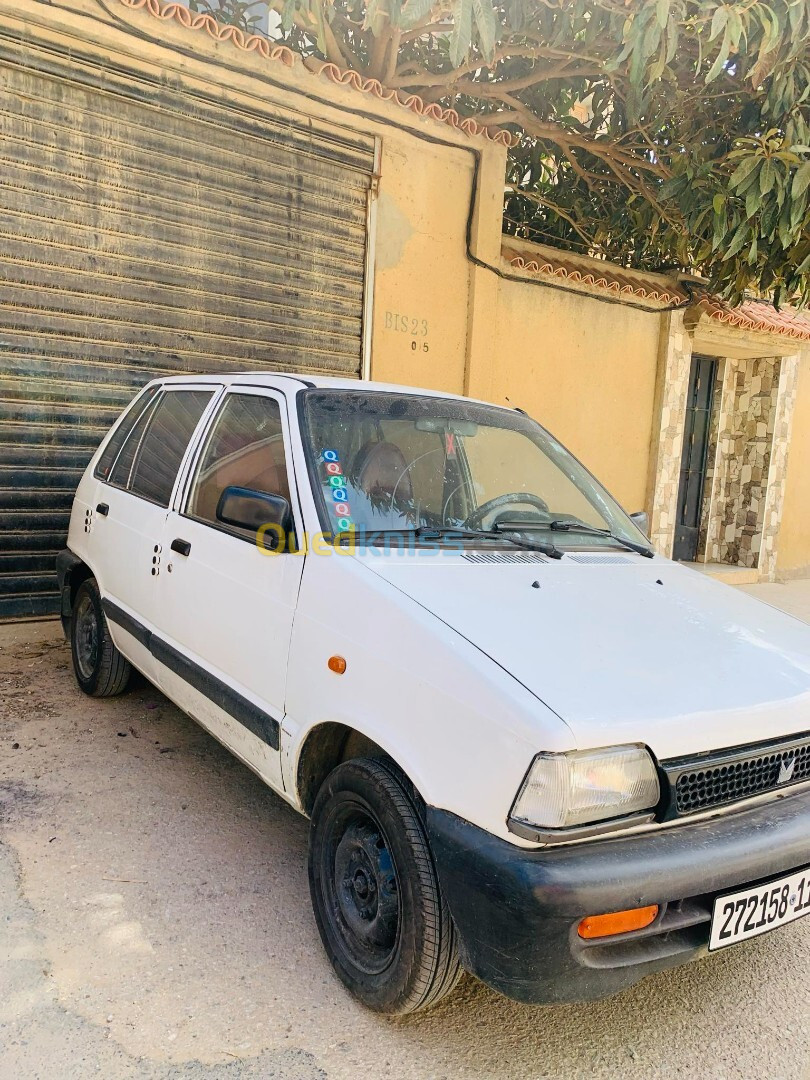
(620, 922)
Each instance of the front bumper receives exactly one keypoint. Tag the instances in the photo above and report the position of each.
(517, 911)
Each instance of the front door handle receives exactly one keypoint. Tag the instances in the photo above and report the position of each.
(182, 547)
(102, 509)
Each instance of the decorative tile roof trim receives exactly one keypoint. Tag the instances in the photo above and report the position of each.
(606, 282)
(412, 102)
(260, 44)
(195, 21)
(752, 315)
(761, 318)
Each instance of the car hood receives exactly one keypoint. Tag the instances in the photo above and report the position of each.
(625, 649)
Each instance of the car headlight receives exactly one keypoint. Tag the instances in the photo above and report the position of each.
(585, 787)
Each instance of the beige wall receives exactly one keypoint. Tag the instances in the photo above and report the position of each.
(587, 371)
(421, 279)
(793, 557)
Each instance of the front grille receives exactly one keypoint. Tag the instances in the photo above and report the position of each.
(741, 773)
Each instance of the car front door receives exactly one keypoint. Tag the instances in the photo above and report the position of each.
(227, 600)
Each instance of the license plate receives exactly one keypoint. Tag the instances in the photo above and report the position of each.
(746, 914)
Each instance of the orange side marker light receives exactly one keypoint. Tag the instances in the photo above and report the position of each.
(336, 664)
(619, 922)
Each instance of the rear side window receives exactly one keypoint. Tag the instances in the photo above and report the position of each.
(164, 443)
(150, 457)
(131, 416)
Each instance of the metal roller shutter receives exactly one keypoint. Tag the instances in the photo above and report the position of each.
(144, 230)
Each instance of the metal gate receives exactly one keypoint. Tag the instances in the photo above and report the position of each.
(143, 230)
(694, 457)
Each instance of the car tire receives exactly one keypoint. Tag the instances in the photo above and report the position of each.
(100, 669)
(375, 892)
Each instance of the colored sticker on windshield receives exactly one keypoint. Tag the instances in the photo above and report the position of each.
(338, 489)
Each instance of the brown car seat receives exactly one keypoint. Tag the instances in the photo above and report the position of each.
(381, 471)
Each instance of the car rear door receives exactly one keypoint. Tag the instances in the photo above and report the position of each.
(136, 481)
(226, 603)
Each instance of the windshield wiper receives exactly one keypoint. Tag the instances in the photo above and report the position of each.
(591, 530)
(429, 532)
(561, 525)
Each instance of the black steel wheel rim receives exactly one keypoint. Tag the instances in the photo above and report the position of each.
(85, 637)
(361, 889)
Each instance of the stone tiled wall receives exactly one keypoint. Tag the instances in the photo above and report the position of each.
(676, 364)
(747, 462)
(747, 453)
(782, 424)
(745, 439)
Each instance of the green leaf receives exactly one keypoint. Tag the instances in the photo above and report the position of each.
(801, 180)
(740, 236)
(719, 21)
(461, 37)
(720, 59)
(413, 12)
(719, 202)
(745, 170)
(753, 201)
(767, 176)
(487, 26)
(675, 186)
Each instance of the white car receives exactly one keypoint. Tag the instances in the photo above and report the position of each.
(529, 747)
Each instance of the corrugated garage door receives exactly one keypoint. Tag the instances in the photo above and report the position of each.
(144, 230)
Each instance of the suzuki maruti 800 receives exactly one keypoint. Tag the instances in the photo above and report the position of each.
(529, 746)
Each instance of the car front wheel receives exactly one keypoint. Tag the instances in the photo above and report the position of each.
(377, 902)
(100, 669)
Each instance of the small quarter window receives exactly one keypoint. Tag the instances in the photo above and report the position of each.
(122, 469)
(130, 418)
(246, 449)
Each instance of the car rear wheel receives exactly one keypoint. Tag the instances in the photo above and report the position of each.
(377, 902)
(100, 669)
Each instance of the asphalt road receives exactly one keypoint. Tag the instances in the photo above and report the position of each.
(155, 922)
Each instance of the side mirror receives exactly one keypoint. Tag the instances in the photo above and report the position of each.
(641, 520)
(246, 509)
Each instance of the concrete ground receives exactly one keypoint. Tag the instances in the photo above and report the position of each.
(155, 923)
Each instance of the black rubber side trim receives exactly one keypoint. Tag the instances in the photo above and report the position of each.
(256, 720)
(123, 619)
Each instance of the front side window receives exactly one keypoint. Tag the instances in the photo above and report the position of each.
(245, 450)
(151, 455)
(387, 461)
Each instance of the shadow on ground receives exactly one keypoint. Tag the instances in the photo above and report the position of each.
(155, 923)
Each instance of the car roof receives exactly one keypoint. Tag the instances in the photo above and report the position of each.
(302, 381)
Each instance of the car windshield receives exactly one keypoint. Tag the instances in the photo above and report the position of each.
(384, 461)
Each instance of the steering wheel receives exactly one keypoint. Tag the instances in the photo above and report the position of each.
(524, 498)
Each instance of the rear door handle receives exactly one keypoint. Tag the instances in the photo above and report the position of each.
(182, 547)
(102, 509)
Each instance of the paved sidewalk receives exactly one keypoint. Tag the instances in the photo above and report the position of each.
(155, 923)
(792, 596)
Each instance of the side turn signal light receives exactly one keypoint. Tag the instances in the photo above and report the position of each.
(336, 664)
(619, 922)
